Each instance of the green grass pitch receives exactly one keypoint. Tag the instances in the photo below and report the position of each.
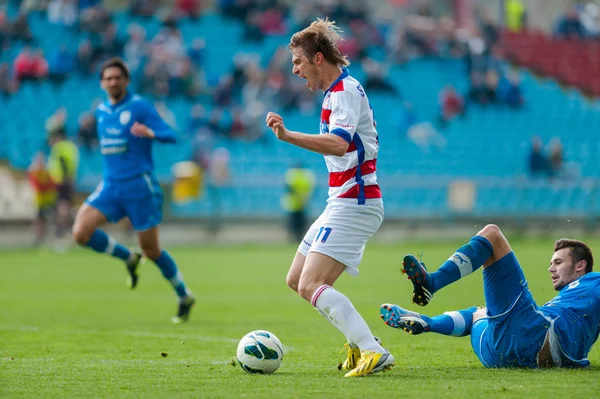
(70, 328)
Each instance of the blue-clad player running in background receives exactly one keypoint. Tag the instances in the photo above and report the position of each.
(512, 331)
(127, 127)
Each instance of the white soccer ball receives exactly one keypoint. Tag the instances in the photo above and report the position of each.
(260, 352)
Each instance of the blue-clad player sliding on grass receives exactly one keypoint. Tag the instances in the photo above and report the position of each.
(127, 127)
(512, 330)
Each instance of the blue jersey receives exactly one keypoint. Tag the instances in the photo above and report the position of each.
(125, 156)
(576, 314)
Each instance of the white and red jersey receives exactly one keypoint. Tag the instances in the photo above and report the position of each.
(346, 112)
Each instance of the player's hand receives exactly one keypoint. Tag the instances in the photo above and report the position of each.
(141, 130)
(275, 122)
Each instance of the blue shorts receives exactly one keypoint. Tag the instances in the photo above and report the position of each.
(140, 199)
(515, 330)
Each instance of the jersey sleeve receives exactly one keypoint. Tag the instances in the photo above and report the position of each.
(345, 110)
(150, 117)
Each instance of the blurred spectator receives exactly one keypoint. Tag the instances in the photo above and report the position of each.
(56, 124)
(539, 165)
(7, 84)
(483, 88)
(590, 18)
(197, 119)
(143, 8)
(496, 61)
(196, 53)
(448, 45)
(375, 80)
(556, 157)
(32, 5)
(186, 81)
(299, 189)
(489, 31)
(237, 130)
(511, 94)
(63, 12)
(136, 48)
(45, 195)
(476, 56)
(19, 29)
(189, 8)
(87, 134)
(30, 65)
(271, 22)
(94, 20)
(61, 64)
(223, 93)
(219, 177)
(252, 28)
(569, 26)
(110, 44)
(85, 59)
(516, 16)
(451, 104)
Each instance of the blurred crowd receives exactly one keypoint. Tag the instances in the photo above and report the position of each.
(165, 66)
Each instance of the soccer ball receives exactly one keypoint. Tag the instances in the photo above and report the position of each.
(260, 352)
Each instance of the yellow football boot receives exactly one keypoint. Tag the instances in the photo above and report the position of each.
(372, 362)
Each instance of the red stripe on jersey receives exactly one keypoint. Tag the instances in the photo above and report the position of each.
(351, 147)
(339, 86)
(325, 114)
(337, 179)
(370, 192)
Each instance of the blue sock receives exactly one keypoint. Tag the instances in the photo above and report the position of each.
(167, 266)
(466, 260)
(457, 323)
(103, 243)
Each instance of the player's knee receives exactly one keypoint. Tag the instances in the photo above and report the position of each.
(292, 282)
(306, 290)
(491, 232)
(151, 252)
(81, 235)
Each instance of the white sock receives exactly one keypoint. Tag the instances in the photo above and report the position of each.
(338, 309)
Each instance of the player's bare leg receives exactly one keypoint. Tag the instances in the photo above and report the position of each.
(86, 233)
(149, 243)
(315, 285)
(293, 277)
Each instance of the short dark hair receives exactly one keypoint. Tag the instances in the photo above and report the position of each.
(578, 250)
(114, 63)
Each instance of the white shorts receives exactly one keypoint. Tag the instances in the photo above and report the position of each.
(342, 231)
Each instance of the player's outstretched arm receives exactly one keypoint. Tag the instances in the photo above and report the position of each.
(326, 144)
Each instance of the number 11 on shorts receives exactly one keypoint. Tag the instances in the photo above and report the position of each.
(326, 230)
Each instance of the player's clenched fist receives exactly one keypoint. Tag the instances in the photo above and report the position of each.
(275, 122)
(140, 130)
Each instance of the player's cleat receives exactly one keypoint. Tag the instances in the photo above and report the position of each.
(132, 269)
(183, 311)
(352, 359)
(372, 362)
(396, 317)
(418, 274)
(353, 356)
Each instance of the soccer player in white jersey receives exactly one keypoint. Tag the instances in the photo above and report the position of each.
(336, 240)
